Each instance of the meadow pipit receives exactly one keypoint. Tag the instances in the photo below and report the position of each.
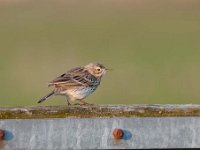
(77, 83)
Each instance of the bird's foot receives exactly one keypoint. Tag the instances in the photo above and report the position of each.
(85, 103)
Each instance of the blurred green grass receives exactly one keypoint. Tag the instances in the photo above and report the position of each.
(153, 47)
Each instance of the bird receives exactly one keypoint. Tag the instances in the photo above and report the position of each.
(77, 83)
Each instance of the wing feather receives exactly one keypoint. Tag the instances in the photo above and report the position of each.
(75, 77)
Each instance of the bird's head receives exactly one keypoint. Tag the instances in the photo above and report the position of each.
(96, 69)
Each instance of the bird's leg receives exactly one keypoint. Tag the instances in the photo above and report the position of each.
(68, 103)
(67, 98)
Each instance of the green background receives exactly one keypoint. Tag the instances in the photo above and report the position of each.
(153, 47)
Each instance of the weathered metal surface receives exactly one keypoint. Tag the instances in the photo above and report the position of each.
(96, 133)
(91, 127)
(99, 111)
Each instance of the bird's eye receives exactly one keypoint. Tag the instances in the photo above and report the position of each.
(98, 69)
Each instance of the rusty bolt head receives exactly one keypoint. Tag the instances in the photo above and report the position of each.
(1, 134)
(118, 133)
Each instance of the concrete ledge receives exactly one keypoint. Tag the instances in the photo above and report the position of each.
(158, 110)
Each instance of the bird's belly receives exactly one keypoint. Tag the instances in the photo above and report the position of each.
(79, 93)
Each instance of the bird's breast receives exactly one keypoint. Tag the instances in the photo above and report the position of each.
(79, 92)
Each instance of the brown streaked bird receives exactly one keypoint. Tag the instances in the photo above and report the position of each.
(77, 83)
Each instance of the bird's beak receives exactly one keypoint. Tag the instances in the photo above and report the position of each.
(109, 69)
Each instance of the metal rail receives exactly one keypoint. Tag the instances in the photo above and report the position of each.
(100, 127)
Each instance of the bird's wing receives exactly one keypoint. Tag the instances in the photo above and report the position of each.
(74, 77)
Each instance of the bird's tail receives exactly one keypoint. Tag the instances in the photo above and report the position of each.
(45, 97)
